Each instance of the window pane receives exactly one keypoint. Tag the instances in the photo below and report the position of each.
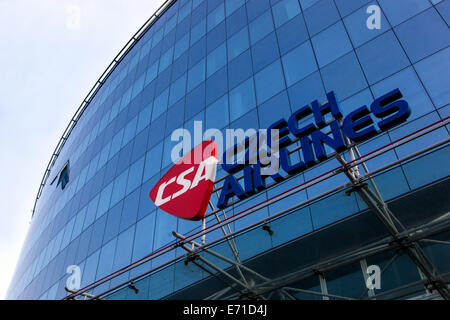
(269, 82)
(242, 99)
(299, 63)
(238, 44)
(331, 44)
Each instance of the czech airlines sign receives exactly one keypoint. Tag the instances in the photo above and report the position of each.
(185, 190)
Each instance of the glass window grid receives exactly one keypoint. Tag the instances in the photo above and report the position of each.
(133, 62)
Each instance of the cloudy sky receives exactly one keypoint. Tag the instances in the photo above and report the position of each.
(52, 52)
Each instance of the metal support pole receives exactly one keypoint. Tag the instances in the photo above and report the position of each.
(382, 212)
(216, 268)
(203, 228)
(237, 264)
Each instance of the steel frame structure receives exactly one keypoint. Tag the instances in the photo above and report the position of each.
(252, 285)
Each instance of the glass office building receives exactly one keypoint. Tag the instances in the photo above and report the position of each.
(245, 64)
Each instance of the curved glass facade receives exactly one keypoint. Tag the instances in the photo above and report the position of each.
(234, 64)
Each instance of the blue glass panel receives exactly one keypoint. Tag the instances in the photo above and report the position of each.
(124, 246)
(331, 44)
(253, 242)
(321, 15)
(216, 37)
(346, 281)
(78, 226)
(91, 211)
(332, 209)
(186, 274)
(160, 104)
(184, 11)
(239, 69)
(144, 118)
(284, 11)
(98, 230)
(195, 101)
(217, 113)
(146, 206)
(236, 21)
(400, 10)
(392, 183)
(196, 75)
(269, 82)
(411, 88)
(166, 59)
(288, 39)
(423, 35)
(435, 165)
(434, 71)
(155, 130)
(238, 44)
(421, 142)
(106, 260)
(274, 109)
(291, 226)
(216, 16)
(260, 27)
(444, 10)
(104, 200)
(213, 4)
(344, 76)
(135, 175)
(152, 71)
(198, 31)
(307, 90)
(153, 161)
(232, 5)
(347, 6)
(197, 52)
(177, 90)
(130, 210)
(256, 8)
(264, 52)
(129, 131)
(162, 283)
(376, 63)
(247, 121)
(90, 269)
(216, 85)
(113, 222)
(143, 241)
(216, 60)
(115, 143)
(165, 224)
(357, 28)
(180, 65)
(299, 63)
(181, 46)
(308, 3)
(175, 117)
(242, 99)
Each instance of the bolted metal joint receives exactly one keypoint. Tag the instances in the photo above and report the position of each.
(190, 258)
(133, 287)
(355, 188)
(266, 227)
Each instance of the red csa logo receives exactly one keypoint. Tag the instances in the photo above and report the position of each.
(184, 191)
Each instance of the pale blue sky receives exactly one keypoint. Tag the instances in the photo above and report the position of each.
(47, 66)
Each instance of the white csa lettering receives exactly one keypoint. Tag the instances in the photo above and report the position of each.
(206, 171)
